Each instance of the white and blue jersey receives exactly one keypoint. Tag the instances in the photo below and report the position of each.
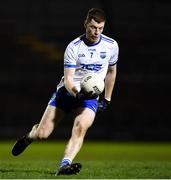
(85, 58)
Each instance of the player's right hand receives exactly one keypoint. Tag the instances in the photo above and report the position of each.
(82, 95)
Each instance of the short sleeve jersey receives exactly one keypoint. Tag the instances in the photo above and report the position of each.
(86, 57)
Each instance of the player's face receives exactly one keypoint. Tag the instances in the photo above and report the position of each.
(94, 30)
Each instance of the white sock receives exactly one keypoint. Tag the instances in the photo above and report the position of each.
(32, 133)
(65, 161)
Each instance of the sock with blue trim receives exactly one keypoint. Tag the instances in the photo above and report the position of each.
(65, 161)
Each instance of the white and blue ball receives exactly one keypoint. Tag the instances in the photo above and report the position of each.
(92, 82)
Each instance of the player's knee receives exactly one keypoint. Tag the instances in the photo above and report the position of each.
(81, 128)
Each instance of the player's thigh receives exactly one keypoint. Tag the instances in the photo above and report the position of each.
(51, 117)
(84, 117)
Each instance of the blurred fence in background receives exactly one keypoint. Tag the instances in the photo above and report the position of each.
(33, 37)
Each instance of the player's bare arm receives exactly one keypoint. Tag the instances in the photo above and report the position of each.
(110, 81)
(68, 80)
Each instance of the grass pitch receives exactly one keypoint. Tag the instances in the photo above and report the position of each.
(100, 160)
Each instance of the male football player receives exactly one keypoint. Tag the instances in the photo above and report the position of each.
(92, 52)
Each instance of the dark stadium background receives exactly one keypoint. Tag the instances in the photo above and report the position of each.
(33, 36)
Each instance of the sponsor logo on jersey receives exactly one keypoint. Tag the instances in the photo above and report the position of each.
(81, 55)
(91, 49)
(95, 67)
(102, 55)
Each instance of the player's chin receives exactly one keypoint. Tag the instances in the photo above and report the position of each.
(95, 39)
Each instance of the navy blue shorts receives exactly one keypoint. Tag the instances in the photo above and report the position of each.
(67, 102)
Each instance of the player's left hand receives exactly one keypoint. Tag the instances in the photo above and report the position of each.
(103, 104)
(82, 95)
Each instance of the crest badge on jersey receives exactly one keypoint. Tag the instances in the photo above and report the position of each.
(102, 55)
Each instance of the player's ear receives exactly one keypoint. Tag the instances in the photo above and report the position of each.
(85, 24)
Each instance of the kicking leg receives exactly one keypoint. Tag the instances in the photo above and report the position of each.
(51, 116)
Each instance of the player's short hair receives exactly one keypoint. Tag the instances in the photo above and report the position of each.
(97, 14)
